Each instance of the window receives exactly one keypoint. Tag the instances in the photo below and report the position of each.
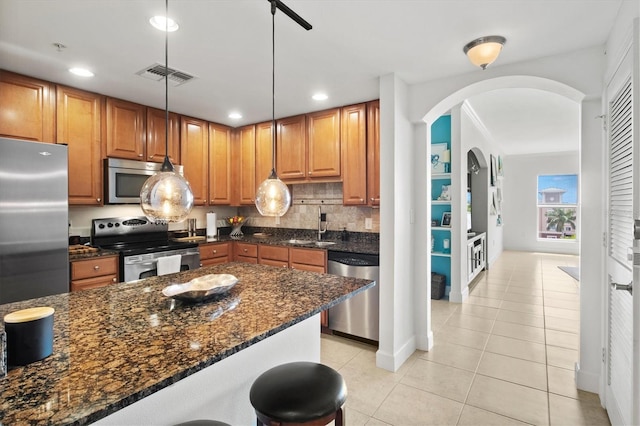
(557, 207)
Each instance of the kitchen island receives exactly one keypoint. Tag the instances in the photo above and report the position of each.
(118, 347)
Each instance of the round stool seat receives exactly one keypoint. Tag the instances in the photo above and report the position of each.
(298, 392)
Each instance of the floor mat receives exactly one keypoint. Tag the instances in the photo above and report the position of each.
(574, 271)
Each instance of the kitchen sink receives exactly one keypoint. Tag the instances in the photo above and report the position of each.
(323, 243)
(298, 242)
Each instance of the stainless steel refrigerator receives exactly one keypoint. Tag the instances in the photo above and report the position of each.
(34, 214)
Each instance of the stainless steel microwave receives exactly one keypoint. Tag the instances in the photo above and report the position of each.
(123, 179)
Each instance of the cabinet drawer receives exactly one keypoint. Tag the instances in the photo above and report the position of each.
(277, 263)
(211, 251)
(247, 250)
(92, 268)
(308, 257)
(305, 267)
(247, 259)
(280, 254)
(214, 261)
(87, 283)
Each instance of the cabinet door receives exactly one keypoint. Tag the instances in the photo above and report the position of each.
(291, 150)
(125, 129)
(264, 152)
(194, 152)
(79, 126)
(354, 155)
(373, 153)
(323, 129)
(246, 154)
(27, 108)
(156, 133)
(219, 164)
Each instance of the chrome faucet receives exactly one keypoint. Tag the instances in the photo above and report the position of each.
(322, 217)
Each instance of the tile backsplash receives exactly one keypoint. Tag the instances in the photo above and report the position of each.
(303, 213)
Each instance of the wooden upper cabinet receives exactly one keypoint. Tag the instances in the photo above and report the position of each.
(264, 152)
(125, 129)
(219, 164)
(354, 155)
(291, 151)
(27, 108)
(156, 128)
(194, 152)
(79, 126)
(245, 148)
(373, 153)
(323, 132)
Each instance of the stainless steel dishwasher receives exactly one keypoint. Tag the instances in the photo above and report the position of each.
(358, 316)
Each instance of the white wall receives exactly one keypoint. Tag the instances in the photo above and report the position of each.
(520, 200)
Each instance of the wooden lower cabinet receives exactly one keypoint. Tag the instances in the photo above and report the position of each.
(215, 253)
(314, 260)
(245, 252)
(273, 255)
(94, 272)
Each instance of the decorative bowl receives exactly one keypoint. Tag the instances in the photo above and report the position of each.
(236, 223)
(201, 288)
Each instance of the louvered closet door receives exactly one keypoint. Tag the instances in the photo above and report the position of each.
(623, 206)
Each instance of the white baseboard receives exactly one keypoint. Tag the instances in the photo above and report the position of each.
(586, 380)
(425, 343)
(392, 362)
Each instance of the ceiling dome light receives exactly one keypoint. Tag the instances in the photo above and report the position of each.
(320, 97)
(160, 23)
(82, 72)
(484, 50)
(235, 115)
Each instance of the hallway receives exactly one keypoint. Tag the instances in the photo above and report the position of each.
(504, 357)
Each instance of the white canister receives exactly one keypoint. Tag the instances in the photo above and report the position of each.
(446, 245)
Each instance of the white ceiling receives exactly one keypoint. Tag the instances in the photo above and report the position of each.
(227, 45)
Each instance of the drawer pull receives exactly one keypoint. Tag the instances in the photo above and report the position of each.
(98, 199)
(245, 250)
(96, 267)
(215, 251)
(113, 279)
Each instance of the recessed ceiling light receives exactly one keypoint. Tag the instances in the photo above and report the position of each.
(160, 22)
(320, 97)
(82, 72)
(235, 115)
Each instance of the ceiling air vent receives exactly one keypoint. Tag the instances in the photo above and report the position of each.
(158, 72)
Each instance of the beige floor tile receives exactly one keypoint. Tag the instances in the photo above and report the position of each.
(336, 352)
(478, 311)
(354, 417)
(365, 361)
(561, 287)
(366, 391)
(449, 382)
(521, 318)
(562, 313)
(470, 322)
(564, 304)
(472, 416)
(488, 294)
(514, 370)
(483, 301)
(454, 356)
(562, 381)
(522, 298)
(526, 282)
(522, 307)
(373, 422)
(409, 406)
(561, 296)
(562, 324)
(439, 318)
(460, 336)
(509, 399)
(443, 306)
(519, 331)
(568, 411)
(522, 349)
(562, 357)
(563, 339)
(524, 290)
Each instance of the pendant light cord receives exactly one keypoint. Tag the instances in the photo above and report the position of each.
(166, 164)
(274, 132)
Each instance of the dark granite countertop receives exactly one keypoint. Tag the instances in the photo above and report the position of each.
(117, 344)
(358, 242)
(99, 253)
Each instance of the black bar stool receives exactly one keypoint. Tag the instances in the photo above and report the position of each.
(301, 393)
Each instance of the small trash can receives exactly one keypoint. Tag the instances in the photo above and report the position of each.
(438, 283)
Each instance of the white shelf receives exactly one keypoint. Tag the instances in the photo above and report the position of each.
(439, 202)
(440, 176)
(441, 228)
(440, 254)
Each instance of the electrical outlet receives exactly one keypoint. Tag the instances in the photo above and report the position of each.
(368, 223)
(277, 220)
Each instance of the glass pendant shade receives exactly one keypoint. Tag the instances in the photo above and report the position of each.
(484, 51)
(273, 197)
(166, 197)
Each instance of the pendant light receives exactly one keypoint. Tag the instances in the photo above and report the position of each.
(273, 197)
(166, 196)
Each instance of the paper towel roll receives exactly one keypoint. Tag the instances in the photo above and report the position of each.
(212, 228)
